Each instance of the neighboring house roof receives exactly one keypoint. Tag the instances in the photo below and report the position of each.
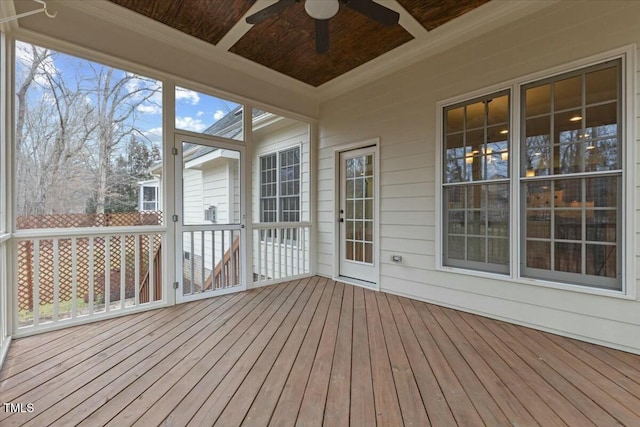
(229, 126)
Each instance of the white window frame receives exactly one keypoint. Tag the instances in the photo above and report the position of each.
(141, 197)
(629, 141)
(278, 192)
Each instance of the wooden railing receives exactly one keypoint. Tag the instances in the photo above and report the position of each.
(71, 275)
(152, 275)
(281, 251)
(227, 271)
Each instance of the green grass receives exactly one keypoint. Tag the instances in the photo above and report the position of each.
(46, 310)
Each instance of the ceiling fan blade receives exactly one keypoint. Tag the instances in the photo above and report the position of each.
(269, 11)
(322, 35)
(375, 11)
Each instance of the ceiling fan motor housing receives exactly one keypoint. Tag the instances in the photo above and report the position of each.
(321, 9)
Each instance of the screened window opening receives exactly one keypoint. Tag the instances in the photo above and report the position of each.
(86, 136)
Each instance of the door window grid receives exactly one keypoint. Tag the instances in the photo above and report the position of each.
(359, 209)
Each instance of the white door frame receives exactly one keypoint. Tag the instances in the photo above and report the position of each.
(374, 144)
(179, 138)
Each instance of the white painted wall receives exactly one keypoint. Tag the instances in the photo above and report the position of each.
(401, 110)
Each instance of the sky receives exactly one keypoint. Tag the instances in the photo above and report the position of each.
(194, 111)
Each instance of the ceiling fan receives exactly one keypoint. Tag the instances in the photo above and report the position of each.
(322, 10)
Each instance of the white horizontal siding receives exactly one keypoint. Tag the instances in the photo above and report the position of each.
(193, 207)
(401, 110)
(215, 189)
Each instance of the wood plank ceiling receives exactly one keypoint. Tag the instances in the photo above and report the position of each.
(286, 42)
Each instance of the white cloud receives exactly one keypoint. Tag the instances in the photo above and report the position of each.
(149, 109)
(218, 115)
(154, 131)
(200, 113)
(189, 123)
(154, 134)
(188, 95)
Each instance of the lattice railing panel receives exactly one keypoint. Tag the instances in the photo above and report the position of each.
(61, 271)
(119, 219)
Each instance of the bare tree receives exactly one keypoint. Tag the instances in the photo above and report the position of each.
(50, 133)
(117, 100)
(72, 123)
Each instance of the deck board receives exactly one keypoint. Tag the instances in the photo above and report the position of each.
(432, 395)
(315, 394)
(363, 411)
(265, 402)
(336, 412)
(555, 400)
(384, 389)
(315, 352)
(474, 404)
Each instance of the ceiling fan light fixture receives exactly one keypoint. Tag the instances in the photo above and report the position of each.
(321, 9)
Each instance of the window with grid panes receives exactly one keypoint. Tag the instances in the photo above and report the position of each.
(570, 180)
(280, 188)
(269, 188)
(476, 184)
(571, 177)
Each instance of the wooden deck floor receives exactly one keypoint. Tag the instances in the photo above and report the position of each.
(315, 352)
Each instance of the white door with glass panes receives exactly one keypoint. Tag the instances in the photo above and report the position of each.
(356, 215)
(210, 227)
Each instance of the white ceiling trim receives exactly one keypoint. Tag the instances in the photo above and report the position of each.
(488, 17)
(407, 21)
(241, 27)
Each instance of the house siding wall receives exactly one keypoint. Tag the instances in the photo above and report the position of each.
(401, 110)
(192, 196)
